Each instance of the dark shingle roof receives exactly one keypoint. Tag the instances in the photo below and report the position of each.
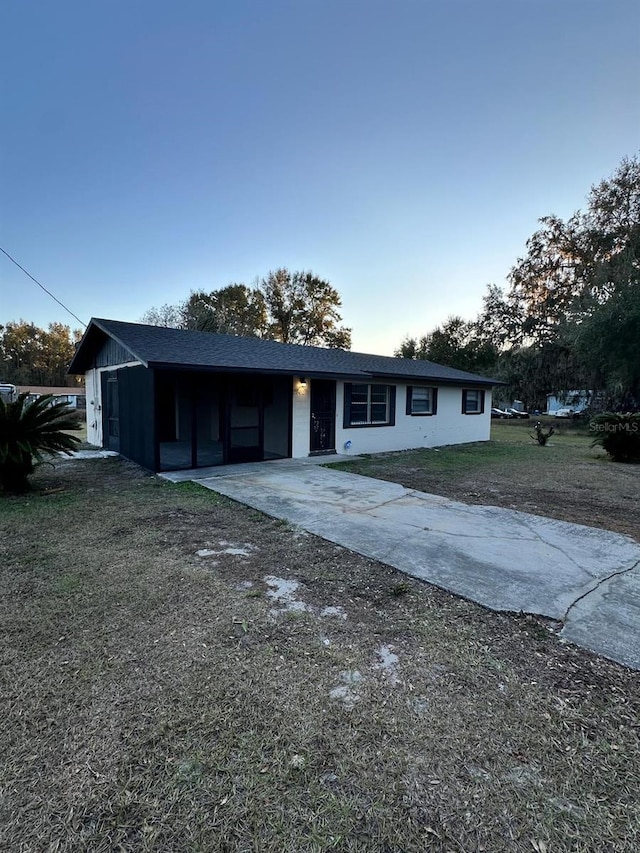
(156, 346)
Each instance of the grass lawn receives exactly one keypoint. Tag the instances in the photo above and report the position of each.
(566, 479)
(80, 433)
(167, 687)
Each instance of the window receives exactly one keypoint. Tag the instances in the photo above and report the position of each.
(369, 405)
(472, 401)
(421, 400)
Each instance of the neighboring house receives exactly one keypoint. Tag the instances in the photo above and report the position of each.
(74, 397)
(577, 401)
(171, 399)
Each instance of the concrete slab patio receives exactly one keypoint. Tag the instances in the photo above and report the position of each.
(587, 578)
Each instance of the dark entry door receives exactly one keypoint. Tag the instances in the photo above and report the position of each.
(323, 416)
(245, 430)
(111, 412)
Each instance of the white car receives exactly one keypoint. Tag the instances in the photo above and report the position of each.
(566, 413)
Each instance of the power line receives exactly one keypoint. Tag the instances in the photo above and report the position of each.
(48, 292)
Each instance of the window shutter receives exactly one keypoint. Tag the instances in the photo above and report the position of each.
(434, 398)
(392, 405)
(482, 402)
(346, 420)
(464, 402)
(409, 399)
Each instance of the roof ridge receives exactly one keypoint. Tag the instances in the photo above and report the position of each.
(162, 346)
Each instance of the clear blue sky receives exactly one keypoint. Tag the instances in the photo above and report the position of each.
(403, 150)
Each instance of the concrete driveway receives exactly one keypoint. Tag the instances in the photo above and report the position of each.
(589, 579)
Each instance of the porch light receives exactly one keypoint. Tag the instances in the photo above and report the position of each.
(302, 386)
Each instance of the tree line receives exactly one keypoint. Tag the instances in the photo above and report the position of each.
(30, 355)
(569, 316)
(291, 307)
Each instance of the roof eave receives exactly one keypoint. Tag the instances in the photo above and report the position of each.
(320, 374)
(440, 380)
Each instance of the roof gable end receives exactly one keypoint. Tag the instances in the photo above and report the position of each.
(99, 347)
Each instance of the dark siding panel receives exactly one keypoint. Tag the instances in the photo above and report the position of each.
(112, 352)
(137, 422)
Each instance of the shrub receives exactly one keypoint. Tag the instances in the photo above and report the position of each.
(29, 431)
(618, 434)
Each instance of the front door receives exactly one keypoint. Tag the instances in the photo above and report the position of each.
(245, 422)
(111, 412)
(323, 416)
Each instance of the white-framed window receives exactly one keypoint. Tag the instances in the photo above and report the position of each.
(472, 401)
(421, 400)
(369, 405)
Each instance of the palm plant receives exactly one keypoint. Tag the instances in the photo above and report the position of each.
(28, 432)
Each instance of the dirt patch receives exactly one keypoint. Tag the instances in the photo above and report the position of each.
(153, 700)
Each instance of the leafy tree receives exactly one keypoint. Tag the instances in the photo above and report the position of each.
(608, 344)
(56, 352)
(570, 316)
(233, 310)
(20, 351)
(456, 343)
(169, 316)
(28, 432)
(613, 223)
(415, 348)
(30, 355)
(572, 268)
(303, 309)
(547, 283)
(292, 307)
(608, 335)
(500, 321)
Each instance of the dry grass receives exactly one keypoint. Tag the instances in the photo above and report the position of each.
(157, 700)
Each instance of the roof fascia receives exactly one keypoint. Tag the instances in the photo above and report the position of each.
(440, 380)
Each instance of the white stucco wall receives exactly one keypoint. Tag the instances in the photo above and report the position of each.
(94, 407)
(448, 426)
(301, 415)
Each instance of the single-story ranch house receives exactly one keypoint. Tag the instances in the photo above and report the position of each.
(171, 399)
(73, 397)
